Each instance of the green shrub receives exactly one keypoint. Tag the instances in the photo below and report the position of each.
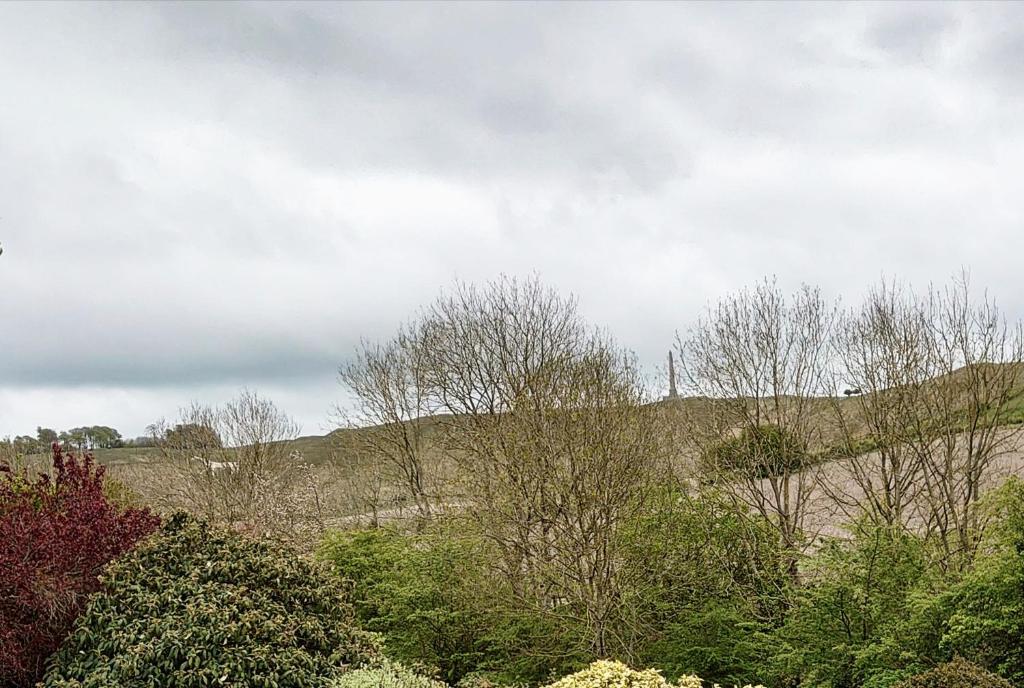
(430, 596)
(419, 593)
(198, 606)
(958, 673)
(854, 589)
(760, 451)
(712, 582)
(987, 622)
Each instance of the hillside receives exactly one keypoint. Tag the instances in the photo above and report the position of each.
(336, 447)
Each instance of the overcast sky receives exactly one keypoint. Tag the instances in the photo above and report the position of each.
(197, 197)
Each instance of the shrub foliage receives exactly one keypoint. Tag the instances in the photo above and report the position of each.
(609, 674)
(760, 451)
(386, 674)
(958, 673)
(56, 534)
(200, 606)
(419, 593)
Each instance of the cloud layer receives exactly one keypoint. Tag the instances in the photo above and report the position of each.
(196, 197)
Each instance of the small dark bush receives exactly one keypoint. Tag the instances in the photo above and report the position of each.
(56, 535)
(760, 451)
(199, 606)
(958, 673)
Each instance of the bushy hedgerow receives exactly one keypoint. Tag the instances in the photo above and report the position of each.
(958, 673)
(385, 674)
(197, 605)
(56, 535)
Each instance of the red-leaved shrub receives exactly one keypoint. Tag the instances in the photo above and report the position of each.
(56, 534)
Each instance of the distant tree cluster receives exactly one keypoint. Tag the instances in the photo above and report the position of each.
(86, 438)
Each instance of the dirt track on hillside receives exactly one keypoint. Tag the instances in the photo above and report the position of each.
(834, 501)
(827, 514)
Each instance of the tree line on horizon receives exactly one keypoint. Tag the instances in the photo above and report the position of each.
(80, 438)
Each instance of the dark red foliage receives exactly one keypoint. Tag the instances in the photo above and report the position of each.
(56, 534)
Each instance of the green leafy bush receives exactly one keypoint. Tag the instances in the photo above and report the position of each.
(854, 589)
(987, 621)
(419, 593)
(431, 597)
(198, 606)
(712, 580)
(958, 673)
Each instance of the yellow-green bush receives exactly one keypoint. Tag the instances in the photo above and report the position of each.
(609, 674)
(386, 674)
(958, 673)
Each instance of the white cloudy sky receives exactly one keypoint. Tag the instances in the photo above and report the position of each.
(197, 197)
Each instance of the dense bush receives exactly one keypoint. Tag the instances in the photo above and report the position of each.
(417, 591)
(760, 451)
(198, 606)
(958, 673)
(987, 619)
(713, 583)
(56, 534)
(854, 589)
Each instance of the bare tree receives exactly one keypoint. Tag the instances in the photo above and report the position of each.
(938, 372)
(237, 464)
(389, 383)
(556, 449)
(961, 431)
(883, 349)
(760, 360)
(365, 490)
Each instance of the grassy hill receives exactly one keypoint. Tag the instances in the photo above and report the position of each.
(336, 447)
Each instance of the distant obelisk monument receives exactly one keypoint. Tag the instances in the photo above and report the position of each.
(672, 392)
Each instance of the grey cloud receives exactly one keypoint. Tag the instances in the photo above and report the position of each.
(913, 33)
(473, 72)
(195, 196)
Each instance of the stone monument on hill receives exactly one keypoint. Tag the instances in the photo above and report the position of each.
(672, 392)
